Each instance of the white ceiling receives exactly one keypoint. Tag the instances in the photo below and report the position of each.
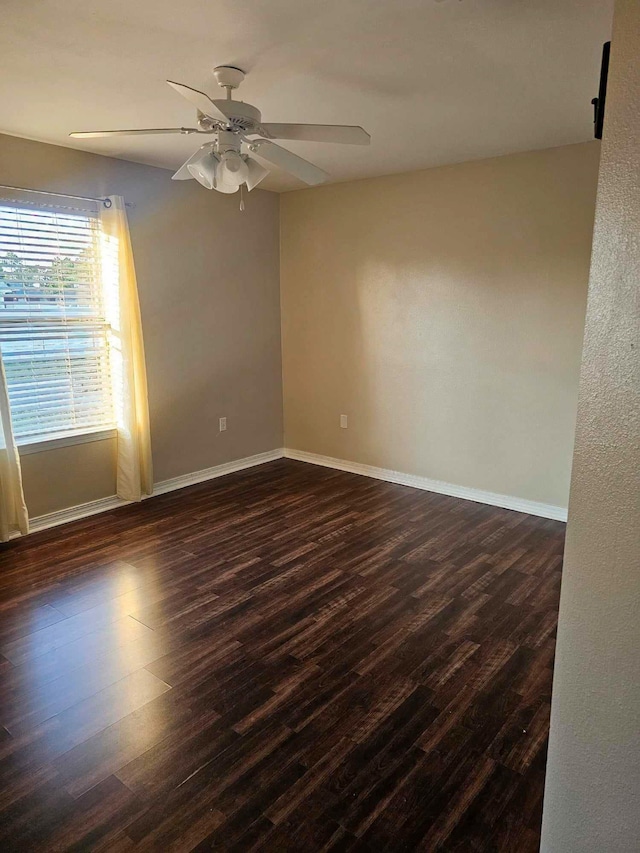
(433, 82)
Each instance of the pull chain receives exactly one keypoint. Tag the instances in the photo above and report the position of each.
(241, 196)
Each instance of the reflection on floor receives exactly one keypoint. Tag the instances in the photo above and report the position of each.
(285, 659)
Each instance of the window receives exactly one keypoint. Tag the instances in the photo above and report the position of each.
(53, 332)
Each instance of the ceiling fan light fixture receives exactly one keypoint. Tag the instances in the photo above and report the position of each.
(204, 169)
(256, 173)
(232, 172)
(221, 187)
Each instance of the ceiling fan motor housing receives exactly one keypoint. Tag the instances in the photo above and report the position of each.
(241, 117)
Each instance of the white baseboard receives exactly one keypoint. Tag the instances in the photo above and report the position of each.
(53, 519)
(558, 513)
(217, 471)
(73, 513)
(62, 516)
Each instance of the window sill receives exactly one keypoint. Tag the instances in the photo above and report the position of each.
(26, 446)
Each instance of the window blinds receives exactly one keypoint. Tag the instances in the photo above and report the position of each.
(53, 332)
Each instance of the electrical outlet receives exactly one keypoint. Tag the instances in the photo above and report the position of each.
(223, 424)
(344, 421)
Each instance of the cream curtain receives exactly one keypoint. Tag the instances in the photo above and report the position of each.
(13, 510)
(135, 474)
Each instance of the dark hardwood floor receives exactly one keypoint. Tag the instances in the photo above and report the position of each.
(285, 659)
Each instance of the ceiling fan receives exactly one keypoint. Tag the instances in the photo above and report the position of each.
(223, 164)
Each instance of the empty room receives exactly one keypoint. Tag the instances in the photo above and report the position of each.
(319, 426)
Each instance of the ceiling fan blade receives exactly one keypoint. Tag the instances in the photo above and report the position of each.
(290, 162)
(199, 100)
(90, 134)
(342, 133)
(183, 173)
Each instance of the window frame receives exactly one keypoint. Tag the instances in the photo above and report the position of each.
(38, 442)
(29, 445)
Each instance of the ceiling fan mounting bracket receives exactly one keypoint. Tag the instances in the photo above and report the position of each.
(205, 123)
(228, 77)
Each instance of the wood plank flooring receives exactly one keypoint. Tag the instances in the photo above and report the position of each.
(285, 659)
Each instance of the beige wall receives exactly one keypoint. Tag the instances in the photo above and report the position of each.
(208, 279)
(592, 798)
(442, 311)
(68, 476)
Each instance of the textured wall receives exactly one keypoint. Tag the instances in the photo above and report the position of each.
(443, 312)
(592, 800)
(208, 279)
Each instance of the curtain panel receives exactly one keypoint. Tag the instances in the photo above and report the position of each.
(134, 465)
(13, 510)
